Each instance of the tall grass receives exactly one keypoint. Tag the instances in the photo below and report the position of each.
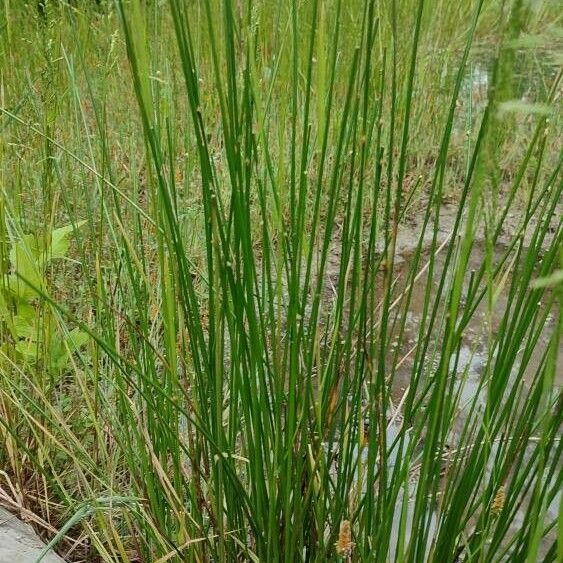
(245, 380)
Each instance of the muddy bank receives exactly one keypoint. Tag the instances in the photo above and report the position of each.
(472, 362)
(410, 232)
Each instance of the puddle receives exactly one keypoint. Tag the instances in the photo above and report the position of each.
(474, 353)
(470, 364)
(533, 73)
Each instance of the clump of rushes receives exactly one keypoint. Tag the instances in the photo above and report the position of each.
(269, 374)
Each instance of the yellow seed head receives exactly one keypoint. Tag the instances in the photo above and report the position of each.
(344, 544)
(498, 501)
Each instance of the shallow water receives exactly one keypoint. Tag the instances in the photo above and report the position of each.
(475, 351)
(470, 365)
(533, 72)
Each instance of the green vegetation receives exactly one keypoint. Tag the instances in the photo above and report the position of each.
(281, 281)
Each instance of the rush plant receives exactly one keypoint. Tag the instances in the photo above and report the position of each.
(320, 281)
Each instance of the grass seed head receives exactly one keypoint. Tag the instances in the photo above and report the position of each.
(344, 544)
(498, 501)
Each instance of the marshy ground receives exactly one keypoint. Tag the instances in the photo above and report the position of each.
(281, 281)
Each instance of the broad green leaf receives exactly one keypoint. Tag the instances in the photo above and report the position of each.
(24, 250)
(28, 349)
(6, 314)
(19, 288)
(24, 321)
(24, 260)
(76, 338)
(60, 241)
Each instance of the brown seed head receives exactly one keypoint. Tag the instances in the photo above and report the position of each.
(498, 501)
(344, 544)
